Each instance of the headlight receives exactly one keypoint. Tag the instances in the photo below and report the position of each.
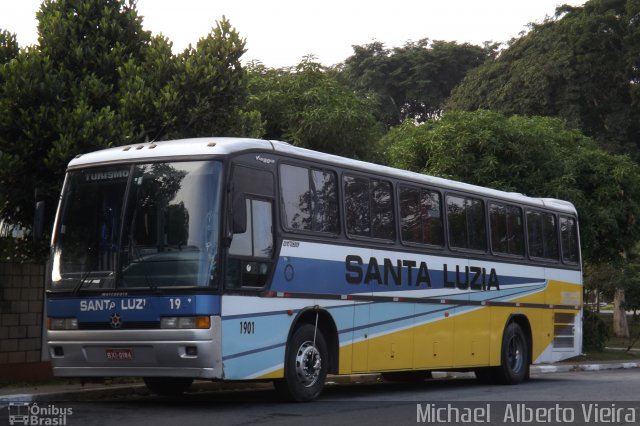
(63, 323)
(185, 322)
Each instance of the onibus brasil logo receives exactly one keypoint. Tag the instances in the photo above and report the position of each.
(25, 413)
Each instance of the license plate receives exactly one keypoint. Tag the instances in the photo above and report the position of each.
(119, 354)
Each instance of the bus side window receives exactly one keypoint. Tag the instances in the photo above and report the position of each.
(466, 223)
(309, 199)
(569, 234)
(369, 207)
(420, 216)
(507, 229)
(542, 235)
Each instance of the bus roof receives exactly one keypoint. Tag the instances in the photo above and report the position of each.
(219, 146)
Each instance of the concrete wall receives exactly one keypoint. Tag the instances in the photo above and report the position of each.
(21, 315)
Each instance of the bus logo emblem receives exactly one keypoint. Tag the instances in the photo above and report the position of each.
(116, 321)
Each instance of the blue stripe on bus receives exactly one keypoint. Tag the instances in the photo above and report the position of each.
(297, 274)
(96, 309)
(253, 351)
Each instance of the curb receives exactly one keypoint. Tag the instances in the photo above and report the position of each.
(535, 369)
(106, 391)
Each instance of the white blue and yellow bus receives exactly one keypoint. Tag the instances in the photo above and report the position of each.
(242, 259)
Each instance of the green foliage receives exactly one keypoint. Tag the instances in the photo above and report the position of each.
(632, 292)
(147, 95)
(59, 99)
(97, 79)
(602, 279)
(200, 92)
(582, 66)
(629, 280)
(413, 81)
(307, 106)
(537, 156)
(22, 250)
(212, 84)
(8, 46)
(595, 331)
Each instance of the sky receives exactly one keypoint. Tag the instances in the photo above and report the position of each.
(280, 33)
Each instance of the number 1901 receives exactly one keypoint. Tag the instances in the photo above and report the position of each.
(247, 327)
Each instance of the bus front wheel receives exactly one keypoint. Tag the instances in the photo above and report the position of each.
(305, 365)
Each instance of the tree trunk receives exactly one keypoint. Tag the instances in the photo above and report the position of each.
(620, 326)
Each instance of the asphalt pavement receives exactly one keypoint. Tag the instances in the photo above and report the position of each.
(76, 391)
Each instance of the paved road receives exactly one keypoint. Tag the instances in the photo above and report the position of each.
(372, 404)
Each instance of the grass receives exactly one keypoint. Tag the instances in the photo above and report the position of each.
(616, 346)
(608, 355)
(623, 342)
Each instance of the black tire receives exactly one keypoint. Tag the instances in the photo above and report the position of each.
(485, 375)
(167, 386)
(418, 376)
(514, 356)
(305, 367)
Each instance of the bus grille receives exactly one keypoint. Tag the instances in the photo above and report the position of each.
(132, 325)
(563, 331)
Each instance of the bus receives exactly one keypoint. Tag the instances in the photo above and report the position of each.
(19, 413)
(244, 259)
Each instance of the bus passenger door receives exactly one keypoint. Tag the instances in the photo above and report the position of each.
(248, 266)
(250, 254)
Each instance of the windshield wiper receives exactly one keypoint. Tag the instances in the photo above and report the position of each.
(83, 280)
(101, 278)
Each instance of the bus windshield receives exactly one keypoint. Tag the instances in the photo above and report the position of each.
(130, 226)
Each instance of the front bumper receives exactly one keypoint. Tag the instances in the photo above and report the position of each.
(153, 353)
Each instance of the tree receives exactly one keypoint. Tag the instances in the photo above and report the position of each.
(537, 156)
(412, 81)
(308, 107)
(97, 79)
(9, 48)
(200, 92)
(58, 99)
(583, 66)
(628, 281)
(212, 84)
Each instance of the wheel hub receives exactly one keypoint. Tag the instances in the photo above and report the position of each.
(515, 358)
(308, 364)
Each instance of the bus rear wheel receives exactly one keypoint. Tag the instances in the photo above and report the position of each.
(514, 355)
(514, 365)
(167, 386)
(305, 365)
